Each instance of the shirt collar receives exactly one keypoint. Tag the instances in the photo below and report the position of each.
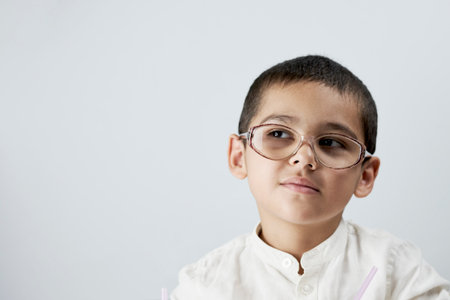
(311, 260)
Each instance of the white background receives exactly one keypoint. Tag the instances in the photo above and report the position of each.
(114, 119)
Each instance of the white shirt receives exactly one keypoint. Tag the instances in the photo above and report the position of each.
(248, 268)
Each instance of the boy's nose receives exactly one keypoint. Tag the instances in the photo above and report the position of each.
(304, 156)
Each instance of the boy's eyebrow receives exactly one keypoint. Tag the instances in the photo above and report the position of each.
(282, 118)
(340, 127)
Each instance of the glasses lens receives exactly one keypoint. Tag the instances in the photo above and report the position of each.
(274, 141)
(336, 151)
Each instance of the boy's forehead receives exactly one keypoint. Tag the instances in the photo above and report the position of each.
(310, 104)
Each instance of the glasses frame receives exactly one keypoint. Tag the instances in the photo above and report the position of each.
(249, 137)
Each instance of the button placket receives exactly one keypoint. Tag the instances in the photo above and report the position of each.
(307, 286)
(307, 289)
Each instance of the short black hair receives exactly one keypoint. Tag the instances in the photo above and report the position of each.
(314, 68)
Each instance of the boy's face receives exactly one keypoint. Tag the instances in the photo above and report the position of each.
(280, 187)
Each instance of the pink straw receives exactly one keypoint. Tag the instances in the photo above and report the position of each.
(164, 295)
(366, 283)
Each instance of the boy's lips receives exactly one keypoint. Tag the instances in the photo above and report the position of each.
(300, 185)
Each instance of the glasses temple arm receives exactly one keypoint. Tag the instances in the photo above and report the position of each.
(245, 135)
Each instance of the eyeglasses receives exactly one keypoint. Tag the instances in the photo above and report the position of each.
(332, 150)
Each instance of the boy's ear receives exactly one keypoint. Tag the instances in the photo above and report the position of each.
(236, 160)
(368, 175)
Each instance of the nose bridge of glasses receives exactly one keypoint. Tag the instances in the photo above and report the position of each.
(303, 141)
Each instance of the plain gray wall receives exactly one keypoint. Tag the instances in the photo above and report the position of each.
(115, 115)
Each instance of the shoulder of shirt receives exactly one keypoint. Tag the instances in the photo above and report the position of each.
(408, 275)
(206, 268)
(378, 236)
(384, 243)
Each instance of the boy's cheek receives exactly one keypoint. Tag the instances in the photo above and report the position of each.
(341, 182)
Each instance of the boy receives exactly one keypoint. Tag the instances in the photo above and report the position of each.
(307, 133)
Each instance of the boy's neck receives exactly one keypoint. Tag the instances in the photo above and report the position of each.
(296, 239)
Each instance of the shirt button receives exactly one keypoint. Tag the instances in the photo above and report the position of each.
(287, 263)
(307, 289)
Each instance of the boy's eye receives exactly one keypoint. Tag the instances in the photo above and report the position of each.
(331, 142)
(279, 134)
